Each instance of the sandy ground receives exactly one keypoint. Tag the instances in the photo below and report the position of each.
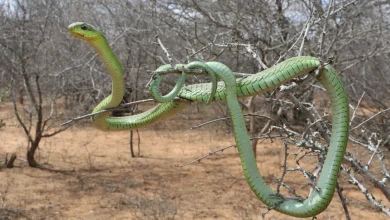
(90, 175)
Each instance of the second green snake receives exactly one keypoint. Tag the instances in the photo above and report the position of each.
(229, 90)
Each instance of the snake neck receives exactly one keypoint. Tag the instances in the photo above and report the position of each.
(113, 66)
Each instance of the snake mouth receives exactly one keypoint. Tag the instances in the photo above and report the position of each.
(83, 36)
(78, 35)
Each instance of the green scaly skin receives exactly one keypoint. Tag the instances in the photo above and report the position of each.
(229, 90)
(272, 78)
(212, 87)
(104, 121)
(154, 86)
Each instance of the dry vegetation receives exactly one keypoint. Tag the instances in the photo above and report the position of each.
(89, 174)
(77, 172)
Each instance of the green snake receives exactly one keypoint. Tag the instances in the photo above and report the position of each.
(229, 89)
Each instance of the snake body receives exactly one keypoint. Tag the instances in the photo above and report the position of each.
(229, 89)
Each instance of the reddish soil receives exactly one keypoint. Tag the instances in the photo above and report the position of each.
(90, 174)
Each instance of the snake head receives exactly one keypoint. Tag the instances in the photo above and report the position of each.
(84, 31)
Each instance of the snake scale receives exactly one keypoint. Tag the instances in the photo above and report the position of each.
(229, 89)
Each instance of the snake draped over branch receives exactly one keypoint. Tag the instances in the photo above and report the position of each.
(229, 89)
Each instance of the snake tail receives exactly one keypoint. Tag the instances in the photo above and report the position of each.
(271, 79)
(229, 89)
(319, 200)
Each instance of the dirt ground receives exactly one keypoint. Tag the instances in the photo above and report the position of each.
(89, 174)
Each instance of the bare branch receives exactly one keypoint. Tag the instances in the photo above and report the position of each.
(343, 200)
(167, 54)
(180, 69)
(365, 121)
(106, 110)
(226, 118)
(355, 109)
(368, 195)
(324, 32)
(304, 36)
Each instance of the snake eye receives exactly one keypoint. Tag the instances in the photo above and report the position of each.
(83, 27)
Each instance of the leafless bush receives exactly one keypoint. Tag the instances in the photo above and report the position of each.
(38, 64)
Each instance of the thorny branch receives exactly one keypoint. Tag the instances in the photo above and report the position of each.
(364, 190)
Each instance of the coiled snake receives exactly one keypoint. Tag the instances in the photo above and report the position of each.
(229, 89)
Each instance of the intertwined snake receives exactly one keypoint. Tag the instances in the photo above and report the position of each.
(229, 89)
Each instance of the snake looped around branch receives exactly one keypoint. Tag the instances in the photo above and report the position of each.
(229, 89)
